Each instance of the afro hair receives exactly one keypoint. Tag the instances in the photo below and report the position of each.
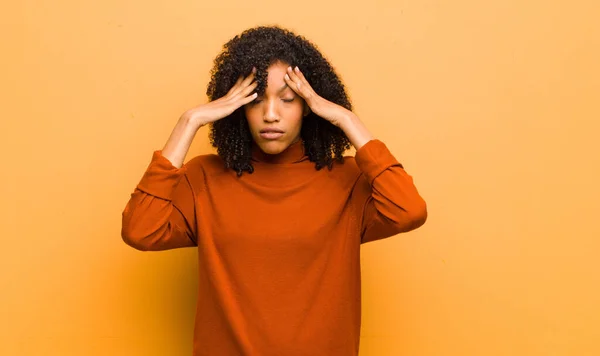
(260, 47)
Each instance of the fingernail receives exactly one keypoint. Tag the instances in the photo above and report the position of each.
(287, 76)
(290, 68)
(253, 69)
(297, 69)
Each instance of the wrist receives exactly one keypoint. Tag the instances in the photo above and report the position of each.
(348, 121)
(356, 131)
(189, 121)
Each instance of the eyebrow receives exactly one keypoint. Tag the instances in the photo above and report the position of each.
(282, 88)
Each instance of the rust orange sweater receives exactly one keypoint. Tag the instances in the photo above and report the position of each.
(278, 249)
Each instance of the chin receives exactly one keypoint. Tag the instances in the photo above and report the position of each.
(273, 147)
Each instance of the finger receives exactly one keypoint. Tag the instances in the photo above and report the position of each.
(292, 84)
(242, 98)
(303, 80)
(250, 77)
(292, 75)
(245, 91)
(300, 75)
(234, 87)
(248, 99)
(295, 80)
(247, 81)
(299, 85)
(309, 91)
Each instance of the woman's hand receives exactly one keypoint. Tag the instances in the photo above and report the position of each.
(190, 121)
(355, 130)
(334, 113)
(238, 96)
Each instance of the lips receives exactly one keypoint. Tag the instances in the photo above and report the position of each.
(271, 130)
(271, 133)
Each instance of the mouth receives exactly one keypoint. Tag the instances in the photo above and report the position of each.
(271, 133)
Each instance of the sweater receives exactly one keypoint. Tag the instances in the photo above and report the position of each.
(278, 249)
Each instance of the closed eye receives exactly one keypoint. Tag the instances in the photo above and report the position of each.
(258, 100)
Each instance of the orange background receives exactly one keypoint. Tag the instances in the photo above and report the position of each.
(492, 106)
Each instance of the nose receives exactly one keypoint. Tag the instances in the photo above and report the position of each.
(271, 114)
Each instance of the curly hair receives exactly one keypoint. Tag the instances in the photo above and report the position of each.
(260, 47)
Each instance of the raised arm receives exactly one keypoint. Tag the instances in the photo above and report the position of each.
(393, 204)
(161, 214)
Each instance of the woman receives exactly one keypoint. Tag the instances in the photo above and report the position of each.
(278, 237)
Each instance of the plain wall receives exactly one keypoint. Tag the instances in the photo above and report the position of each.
(492, 107)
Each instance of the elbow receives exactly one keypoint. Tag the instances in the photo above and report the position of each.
(418, 214)
(130, 231)
(413, 217)
(137, 242)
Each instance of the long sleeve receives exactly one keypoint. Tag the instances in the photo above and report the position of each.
(393, 204)
(160, 214)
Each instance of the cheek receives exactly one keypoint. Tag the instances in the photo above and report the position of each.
(294, 111)
(253, 116)
(295, 120)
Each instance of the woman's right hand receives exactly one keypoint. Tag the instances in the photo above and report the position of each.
(190, 121)
(238, 96)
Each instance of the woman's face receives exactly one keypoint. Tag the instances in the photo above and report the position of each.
(275, 118)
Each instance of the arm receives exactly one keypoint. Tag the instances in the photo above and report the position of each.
(160, 214)
(180, 140)
(393, 204)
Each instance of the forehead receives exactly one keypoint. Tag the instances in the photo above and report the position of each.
(276, 71)
(275, 80)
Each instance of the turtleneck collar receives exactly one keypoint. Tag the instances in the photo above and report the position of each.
(293, 154)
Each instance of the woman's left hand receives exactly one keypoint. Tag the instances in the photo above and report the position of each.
(326, 109)
(355, 130)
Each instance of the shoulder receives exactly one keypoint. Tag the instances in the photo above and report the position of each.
(205, 161)
(344, 179)
(347, 167)
(346, 171)
(202, 166)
